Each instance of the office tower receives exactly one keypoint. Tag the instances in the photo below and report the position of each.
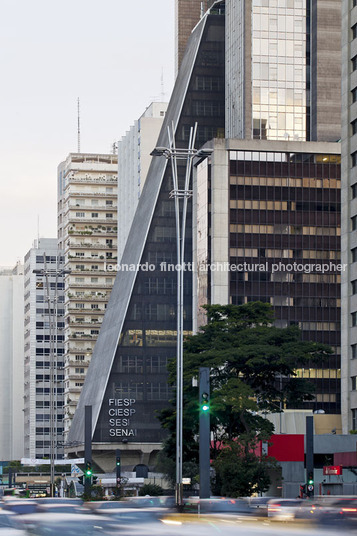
(138, 335)
(283, 69)
(44, 349)
(87, 233)
(133, 163)
(187, 15)
(279, 242)
(11, 362)
(349, 219)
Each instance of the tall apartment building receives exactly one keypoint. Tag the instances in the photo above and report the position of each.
(11, 363)
(133, 163)
(87, 233)
(138, 335)
(44, 349)
(349, 220)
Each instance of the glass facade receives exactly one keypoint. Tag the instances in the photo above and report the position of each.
(137, 387)
(280, 69)
(285, 218)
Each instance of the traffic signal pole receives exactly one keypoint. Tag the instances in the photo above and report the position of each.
(204, 432)
(118, 468)
(310, 488)
(87, 449)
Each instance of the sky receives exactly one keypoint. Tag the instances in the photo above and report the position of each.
(111, 55)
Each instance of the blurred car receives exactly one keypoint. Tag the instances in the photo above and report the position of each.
(51, 524)
(259, 505)
(62, 508)
(103, 507)
(342, 511)
(59, 500)
(20, 507)
(9, 525)
(284, 509)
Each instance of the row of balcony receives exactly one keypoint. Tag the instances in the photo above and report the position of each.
(91, 232)
(89, 245)
(109, 195)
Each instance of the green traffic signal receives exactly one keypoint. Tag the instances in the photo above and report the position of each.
(88, 471)
(205, 402)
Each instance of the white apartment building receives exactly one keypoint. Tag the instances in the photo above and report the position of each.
(87, 233)
(44, 350)
(133, 164)
(11, 363)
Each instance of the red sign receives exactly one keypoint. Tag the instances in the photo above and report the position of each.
(333, 470)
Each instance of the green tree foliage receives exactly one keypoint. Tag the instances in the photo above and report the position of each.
(151, 489)
(240, 474)
(252, 369)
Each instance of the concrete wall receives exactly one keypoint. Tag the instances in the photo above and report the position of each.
(11, 364)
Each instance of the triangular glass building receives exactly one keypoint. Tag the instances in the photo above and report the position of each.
(126, 383)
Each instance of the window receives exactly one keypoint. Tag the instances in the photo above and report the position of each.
(354, 223)
(79, 214)
(354, 319)
(79, 305)
(109, 215)
(354, 190)
(354, 126)
(354, 351)
(353, 383)
(354, 31)
(354, 419)
(354, 286)
(354, 254)
(354, 63)
(109, 202)
(94, 214)
(354, 94)
(79, 370)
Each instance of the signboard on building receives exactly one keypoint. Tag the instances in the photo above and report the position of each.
(332, 470)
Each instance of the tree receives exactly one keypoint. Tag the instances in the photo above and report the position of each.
(252, 369)
(240, 474)
(151, 489)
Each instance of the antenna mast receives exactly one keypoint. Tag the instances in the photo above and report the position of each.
(162, 85)
(79, 127)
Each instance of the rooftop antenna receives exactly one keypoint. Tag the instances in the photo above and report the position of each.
(79, 127)
(38, 230)
(202, 10)
(162, 85)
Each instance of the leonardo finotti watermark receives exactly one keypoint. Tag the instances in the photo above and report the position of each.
(292, 267)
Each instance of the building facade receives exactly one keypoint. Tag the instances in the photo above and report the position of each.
(283, 69)
(11, 362)
(138, 335)
(187, 15)
(133, 163)
(87, 233)
(279, 242)
(349, 220)
(44, 350)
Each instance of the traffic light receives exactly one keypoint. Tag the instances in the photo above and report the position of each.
(88, 471)
(94, 480)
(205, 402)
(310, 484)
(310, 480)
(117, 464)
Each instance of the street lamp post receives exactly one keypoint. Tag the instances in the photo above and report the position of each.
(174, 154)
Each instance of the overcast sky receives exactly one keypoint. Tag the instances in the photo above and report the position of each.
(110, 54)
